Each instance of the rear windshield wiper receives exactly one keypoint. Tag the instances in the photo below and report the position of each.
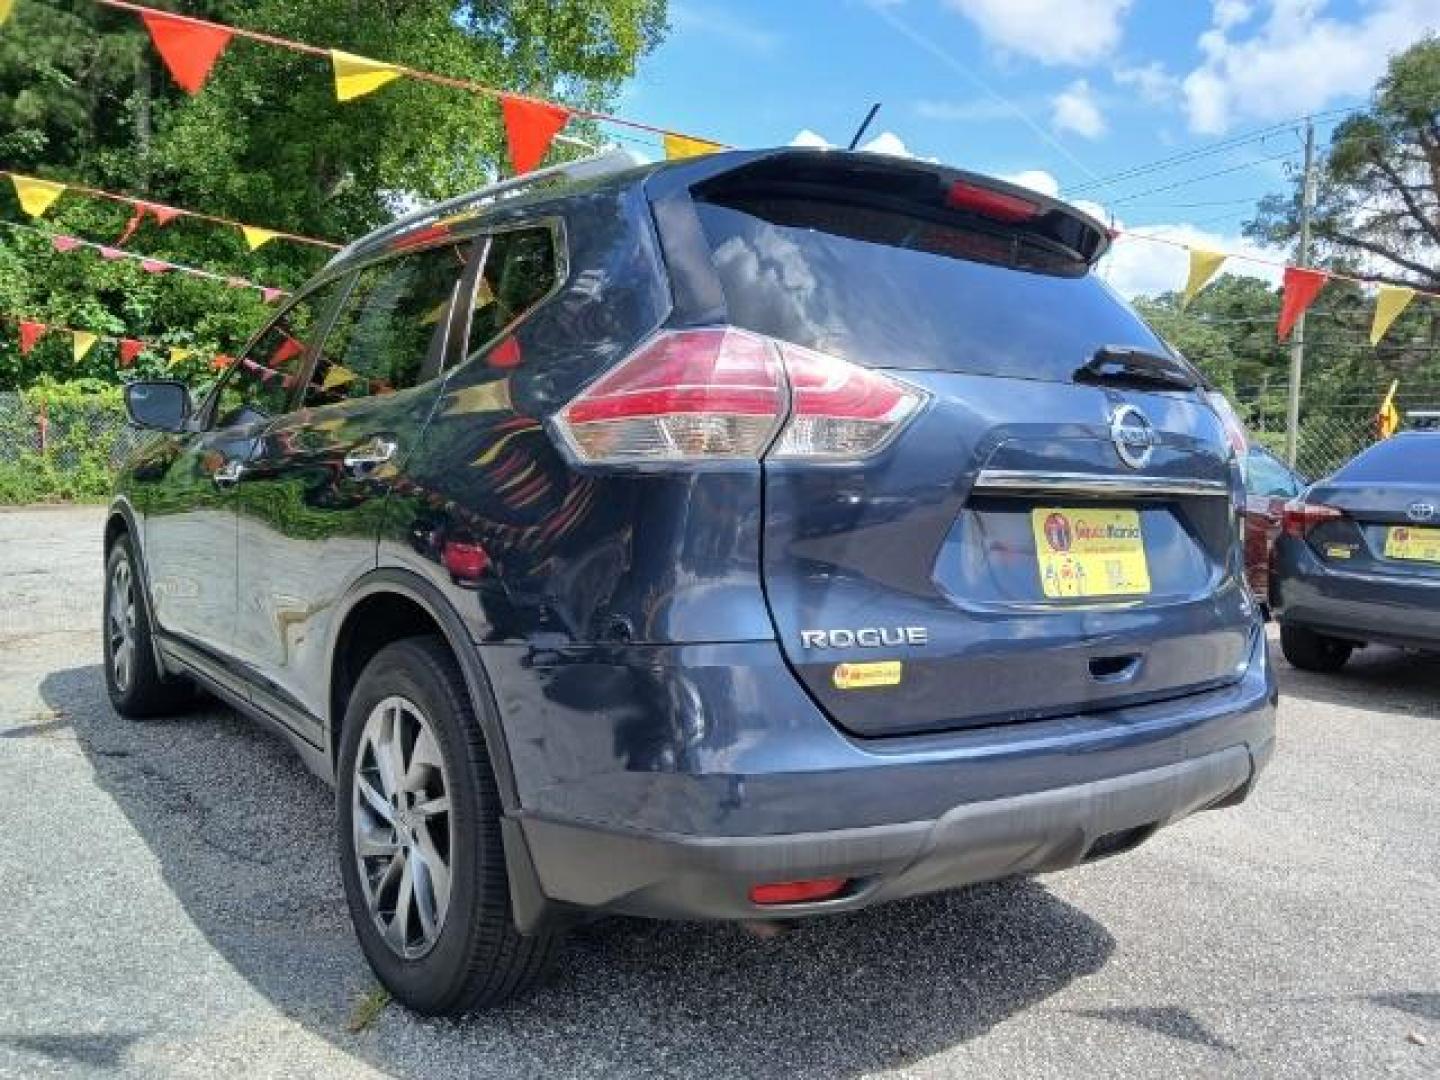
(1121, 365)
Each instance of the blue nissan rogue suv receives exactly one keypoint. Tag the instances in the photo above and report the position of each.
(752, 537)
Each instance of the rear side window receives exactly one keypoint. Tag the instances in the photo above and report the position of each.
(519, 272)
(1405, 458)
(1268, 477)
(880, 287)
(391, 331)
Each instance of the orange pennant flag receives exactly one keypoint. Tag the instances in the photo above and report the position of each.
(188, 48)
(530, 127)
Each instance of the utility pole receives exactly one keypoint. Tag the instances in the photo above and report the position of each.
(1297, 338)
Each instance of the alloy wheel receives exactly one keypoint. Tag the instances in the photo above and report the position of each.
(121, 625)
(401, 826)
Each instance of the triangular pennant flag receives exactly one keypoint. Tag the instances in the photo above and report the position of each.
(1393, 299)
(337, 376)
(29, 334)
(1301, 288)
(270, 295)
(36, 196)
(237, 283)
(111, 253)
(84, 342)
(64, 243)
(130, 226)
(256, 237)
(129, 350)
(6, 7)
(189, 49)
(178, 354)
(153, 266)
(683, 146)
(530, 126)
(287, 351)
(221, 361)
(1203, 265)
(163, 215)
(356, 76)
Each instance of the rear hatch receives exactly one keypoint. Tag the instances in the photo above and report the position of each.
(997, 560)
(1380, 514)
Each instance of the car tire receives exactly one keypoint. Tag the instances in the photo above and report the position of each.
(1309, 651)
(137, 686)
(411, 701)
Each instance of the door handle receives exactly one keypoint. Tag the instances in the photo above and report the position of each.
(229, 474)
(377, 451)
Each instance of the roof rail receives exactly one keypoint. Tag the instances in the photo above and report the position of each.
(604, 163)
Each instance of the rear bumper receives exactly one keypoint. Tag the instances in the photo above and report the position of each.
(1305, 591)
(667, 781)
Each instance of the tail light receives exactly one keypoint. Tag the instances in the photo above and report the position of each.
(1234, 428)
(719, 394)
(1299, 517)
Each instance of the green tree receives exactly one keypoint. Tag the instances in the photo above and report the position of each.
(84, 98)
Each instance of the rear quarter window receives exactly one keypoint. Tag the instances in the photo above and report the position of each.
(887, 289)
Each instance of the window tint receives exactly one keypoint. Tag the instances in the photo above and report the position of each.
(1404, 457)
(1265, 475)
(258, 387)
(880, 287)
(519, 273)
(391, 333)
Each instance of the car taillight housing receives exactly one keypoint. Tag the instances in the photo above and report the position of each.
(1299, 517)
(720, 393)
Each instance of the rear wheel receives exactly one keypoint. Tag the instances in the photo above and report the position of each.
(419, 838)
(1309, 651)
(137, 686)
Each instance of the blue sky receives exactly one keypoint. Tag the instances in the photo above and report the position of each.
(1060, 93)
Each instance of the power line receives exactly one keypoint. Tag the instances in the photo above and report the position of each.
(1202, 177)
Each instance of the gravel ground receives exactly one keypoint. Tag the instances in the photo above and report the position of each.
(174, 909)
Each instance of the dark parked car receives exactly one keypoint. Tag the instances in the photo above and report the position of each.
(755, 537)
(1359, 558)
(1269, 485)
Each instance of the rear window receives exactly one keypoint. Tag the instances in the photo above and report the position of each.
(889, 289)
(1407, 457)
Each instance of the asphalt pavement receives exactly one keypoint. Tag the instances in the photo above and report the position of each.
(170, 906)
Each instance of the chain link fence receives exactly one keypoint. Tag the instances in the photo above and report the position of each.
(63, 446)
(1331, 431)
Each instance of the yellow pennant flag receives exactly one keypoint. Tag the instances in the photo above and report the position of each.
(1203, 265)
(178, 354)
(1389, 418)
(6, 6)
(84, 342)
(1393, 299)
(683, 146)
(356, 76)
(257, 237)
(36, 196)
(337, 376)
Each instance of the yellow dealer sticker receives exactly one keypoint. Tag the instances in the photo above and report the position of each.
(1089, 552)
(860, 676)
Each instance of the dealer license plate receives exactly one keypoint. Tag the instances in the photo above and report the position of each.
(1408, 542)
(1089, 552)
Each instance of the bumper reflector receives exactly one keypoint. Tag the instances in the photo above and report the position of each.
(798, 892)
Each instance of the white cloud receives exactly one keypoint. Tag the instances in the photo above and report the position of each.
(1156, 85)
(1230, 13)
(717, 23)
(1297, 60)
(1036, 180)
(806, 137)
(1075, 109)
(1136, 267)
(887, 142)
(1051, 31)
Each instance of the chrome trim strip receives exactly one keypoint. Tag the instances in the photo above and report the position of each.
(1095, 486)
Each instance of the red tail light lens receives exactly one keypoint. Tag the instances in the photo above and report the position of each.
(798, 892)
(996, 205)
(722, 393)
(1300, 517)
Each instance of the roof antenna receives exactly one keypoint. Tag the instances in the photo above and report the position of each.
(860, 131)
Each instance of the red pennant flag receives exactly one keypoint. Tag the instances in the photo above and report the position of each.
(29, 334)
(505, 355)
(131, 225)
(270, 295)
(1301, 288)
(221, 361)
(153, 266)
(64, 243)
(111, 253)
(530, 126)
(163, 215)
(189, 49)
(288, 350)
(129, 350)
